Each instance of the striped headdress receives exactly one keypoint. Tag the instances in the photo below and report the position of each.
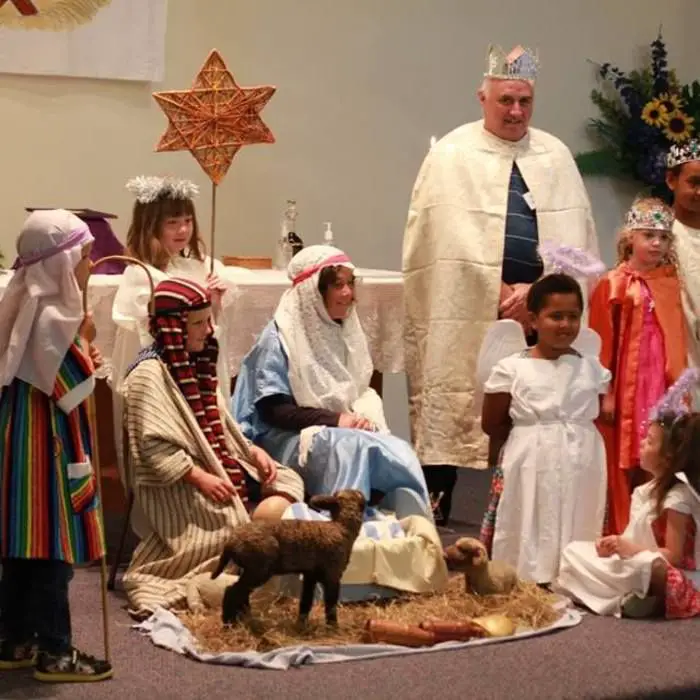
(194, 373)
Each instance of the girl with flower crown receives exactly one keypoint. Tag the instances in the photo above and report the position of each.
(636, 310)
(650, 568)
(164, 234)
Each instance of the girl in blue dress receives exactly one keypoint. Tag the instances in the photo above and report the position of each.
(303, 392)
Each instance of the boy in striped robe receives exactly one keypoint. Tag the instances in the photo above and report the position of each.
(194, 476)
(49, 508)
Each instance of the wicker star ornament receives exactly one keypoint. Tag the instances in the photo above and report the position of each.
(214, 118)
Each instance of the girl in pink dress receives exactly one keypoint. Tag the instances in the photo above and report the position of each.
(636, 310)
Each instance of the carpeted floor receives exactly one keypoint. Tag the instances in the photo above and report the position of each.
(601, 658)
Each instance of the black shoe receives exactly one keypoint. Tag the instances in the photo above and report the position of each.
(14, 656)
(71, 667)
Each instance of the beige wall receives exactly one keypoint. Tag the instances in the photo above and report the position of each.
(362, 86)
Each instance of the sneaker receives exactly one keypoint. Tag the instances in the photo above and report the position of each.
(635, 607)
(14, 656)
(71, 667)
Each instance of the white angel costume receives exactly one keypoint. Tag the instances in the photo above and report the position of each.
(687, 244)
(130, 314)
(316, 362)
(553, 462)
(603, 583)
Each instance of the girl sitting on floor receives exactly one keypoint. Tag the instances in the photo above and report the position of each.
(647, 569)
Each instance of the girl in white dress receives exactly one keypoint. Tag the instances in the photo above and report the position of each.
(648, 569)
(542, 402)
(164, 234)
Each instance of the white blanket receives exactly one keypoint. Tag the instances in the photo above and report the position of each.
(167, 631)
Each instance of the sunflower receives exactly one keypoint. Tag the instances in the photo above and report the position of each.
(679, 127)
(671, 102)
(655, 114)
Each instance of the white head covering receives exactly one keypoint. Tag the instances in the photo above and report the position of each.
(329, 363)
(41, 310)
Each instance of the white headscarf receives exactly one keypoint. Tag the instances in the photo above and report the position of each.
(41, 310)
(329, 363)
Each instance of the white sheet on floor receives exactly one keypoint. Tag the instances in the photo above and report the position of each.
(167, 631)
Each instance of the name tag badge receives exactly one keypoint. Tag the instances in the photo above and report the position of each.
(529, 200)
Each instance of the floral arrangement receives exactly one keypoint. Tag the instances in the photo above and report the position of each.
(642, 114)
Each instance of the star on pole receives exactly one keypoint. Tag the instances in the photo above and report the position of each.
(215, 118)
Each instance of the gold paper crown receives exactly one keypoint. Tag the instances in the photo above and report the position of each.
(519, 64)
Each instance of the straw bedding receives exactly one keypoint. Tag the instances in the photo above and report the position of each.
(275, 625)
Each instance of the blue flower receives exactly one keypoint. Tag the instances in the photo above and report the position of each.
(651, 166)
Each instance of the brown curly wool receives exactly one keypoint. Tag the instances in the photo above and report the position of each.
(318, 550)
(481, 576)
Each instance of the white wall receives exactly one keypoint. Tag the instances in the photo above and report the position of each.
(362, 86)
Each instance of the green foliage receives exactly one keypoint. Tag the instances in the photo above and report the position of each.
(603, 162)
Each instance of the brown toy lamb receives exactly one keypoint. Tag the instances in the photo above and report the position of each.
(320, 551)
(481, 576)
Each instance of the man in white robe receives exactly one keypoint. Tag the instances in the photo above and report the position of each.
(486, 195)
(683, 179)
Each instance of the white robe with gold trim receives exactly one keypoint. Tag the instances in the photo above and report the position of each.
(452, 260)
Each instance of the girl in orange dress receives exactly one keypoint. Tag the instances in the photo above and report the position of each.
(636, 309)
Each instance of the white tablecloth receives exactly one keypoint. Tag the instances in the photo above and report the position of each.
(380, 306)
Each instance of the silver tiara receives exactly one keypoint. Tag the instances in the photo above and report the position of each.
(683, 153)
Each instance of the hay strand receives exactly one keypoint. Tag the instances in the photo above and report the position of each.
(274, 626)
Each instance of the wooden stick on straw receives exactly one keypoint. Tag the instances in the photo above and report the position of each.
(95, 457)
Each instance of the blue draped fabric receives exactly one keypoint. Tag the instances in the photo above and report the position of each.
(339, 458)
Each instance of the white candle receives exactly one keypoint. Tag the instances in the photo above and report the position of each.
(433, 141)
